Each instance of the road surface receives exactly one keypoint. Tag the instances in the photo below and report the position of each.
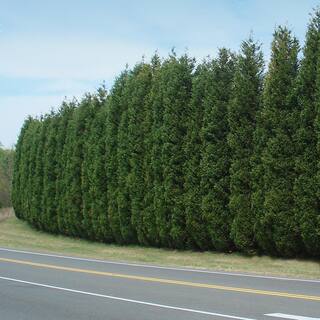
(44, 286)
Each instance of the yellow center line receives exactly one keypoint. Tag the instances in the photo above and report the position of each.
(166, 281)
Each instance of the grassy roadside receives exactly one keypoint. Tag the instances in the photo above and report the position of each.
(19, 235)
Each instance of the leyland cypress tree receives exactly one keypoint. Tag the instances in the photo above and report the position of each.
(27, 168)
(115, 109)
(246, 101)
(307, 180)
(151, 124)
(80, 181)
(73, 197)
(124, 151)
(49, 204)
(311, 231)
(215, 155)
(277, 228)
(196, 227)
(174, 97)
(66, 160)
(38, 218)
(89, 158)
(65, 114)
(99, 183)
(18, 170)
(139, 87)
(90, 139)
(35, 174)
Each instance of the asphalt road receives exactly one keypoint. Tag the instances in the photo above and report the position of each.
(44, 287)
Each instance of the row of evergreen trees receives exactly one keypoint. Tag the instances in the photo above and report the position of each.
(214, 156)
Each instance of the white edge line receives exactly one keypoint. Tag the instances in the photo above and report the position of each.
(289, 316)
(126, 300)
(159, 267)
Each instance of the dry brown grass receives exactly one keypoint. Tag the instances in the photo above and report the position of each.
(18, 234)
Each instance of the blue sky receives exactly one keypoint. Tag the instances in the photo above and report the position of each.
(53, 49)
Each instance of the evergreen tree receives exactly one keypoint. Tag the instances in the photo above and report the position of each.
(242, 111)
(73, 197)
(196, 227)
(173, 97)
(215, 155)
(306, 187)
(18, 170)
(280, 119)
(99, 183)
(49, 204)
(139, 88)
(65, 115)
(114, 114)
(25, 164)
(29, 169)
(90, 138)
(37, 179)
(151, 125)
(276, 227)
(124, 151)
(311, 231)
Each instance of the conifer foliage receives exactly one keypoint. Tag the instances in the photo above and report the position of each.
(196, 227)
(246, 101)
(276, 227)
(209, 156)
(307, 183)
(174, 97)
(215, 154)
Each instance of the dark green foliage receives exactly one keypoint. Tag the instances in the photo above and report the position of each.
(196, 227)
(19, 170)
(123, 196)
(158, 221)
(49, 157)
(29, 195)
(138, 90)
(151, 124)
(173, 97)
(215, 157)
(90, 139)
(307, 182)
(124, 152)
(73, 197)
(176, 99)
(65, 115)
(242, 122)
(36, 178)
(115, 108)
(276, 227)
(98, 181)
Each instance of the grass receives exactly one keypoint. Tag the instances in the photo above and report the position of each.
(19, 235)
